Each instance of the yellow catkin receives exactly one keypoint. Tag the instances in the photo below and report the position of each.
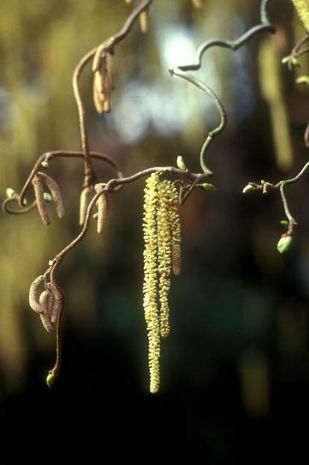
(165, 194)
(161, 236)
(302, 7)
(151, 280)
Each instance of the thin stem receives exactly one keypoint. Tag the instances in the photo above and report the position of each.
(223, 118)
(131, 20)
(265, 25)
(286, 206)
(56, 368)
(88, 168)
(264, 186)
(46, 157)
(296, 178)
(296, 52)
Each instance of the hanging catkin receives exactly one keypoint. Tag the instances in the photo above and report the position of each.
(161, 236)
(151, 280)
(302, 7)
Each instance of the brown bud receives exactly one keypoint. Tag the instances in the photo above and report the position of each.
(34, 294)
(40, 201)
(176, 259)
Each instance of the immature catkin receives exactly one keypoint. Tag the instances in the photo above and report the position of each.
(58, 302)
(55, 192)
(102, 206)
(83, 204)
(34, 294)
(40, 201)
(143, 20)
(103, 82)
(302, 7)
(46, 303)
(151, 280)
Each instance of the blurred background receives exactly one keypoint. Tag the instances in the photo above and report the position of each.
(235, 369)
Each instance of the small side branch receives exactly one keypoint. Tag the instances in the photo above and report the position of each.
(266, 187)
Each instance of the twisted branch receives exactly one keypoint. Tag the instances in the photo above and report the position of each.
(234, 45)
(96, 53)
(265, 25)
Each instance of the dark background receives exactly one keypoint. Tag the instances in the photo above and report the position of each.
(235, 368)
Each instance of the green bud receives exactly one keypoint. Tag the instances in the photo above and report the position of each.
(285, 60)
(302, 80)
(180, 163)
(295, 62)
(47, 197)
(208, 187)
(247, 188)
(44, 164)
(284, 244)
(10, 192)
(284, 223)
(50, 378)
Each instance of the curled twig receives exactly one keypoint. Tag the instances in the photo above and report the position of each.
(234, 45)
(180, 71)
(98, 53)
(212, 134)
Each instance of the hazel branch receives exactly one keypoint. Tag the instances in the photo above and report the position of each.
(44, 160)
(265, 187)
(234, 45)
(264, 26)
(223, 118)
(96, 53)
